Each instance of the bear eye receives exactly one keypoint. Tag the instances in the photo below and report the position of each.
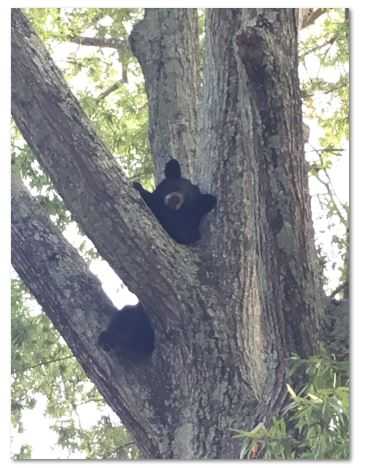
(174, 200)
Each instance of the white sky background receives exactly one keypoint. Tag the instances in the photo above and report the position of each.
(361, 179)
(339, 173)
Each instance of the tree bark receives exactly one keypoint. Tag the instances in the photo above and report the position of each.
(74, 301)
(92, 185)
(307, 16)
(253, 157)
(227, 312)
(166, 45)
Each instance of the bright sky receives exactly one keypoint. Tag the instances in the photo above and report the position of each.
(339, 173)
(43, 440)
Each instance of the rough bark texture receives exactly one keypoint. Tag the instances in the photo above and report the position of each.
(253, 155)
(76, 304)
(165, 43)
(228, 312)
(87, 177)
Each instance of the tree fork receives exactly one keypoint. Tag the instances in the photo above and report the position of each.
(227, 313)
(90, 181)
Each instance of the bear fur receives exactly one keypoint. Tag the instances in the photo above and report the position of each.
(129, 334)
(178, 204)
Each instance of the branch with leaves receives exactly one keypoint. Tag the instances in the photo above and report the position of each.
(123, 50)
(102, 42)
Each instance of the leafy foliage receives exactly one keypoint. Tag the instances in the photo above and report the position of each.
(315, 424)
(25, 164)
(24, 453)
(103, 441)
(330, 48)
(106, 78)
(324, 57)
(335, 329)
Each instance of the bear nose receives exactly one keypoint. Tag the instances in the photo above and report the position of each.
(174, 200)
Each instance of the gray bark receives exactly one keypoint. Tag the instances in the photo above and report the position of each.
(228, 312)
(74, 301)
(253, 157)
(307, 16)
(92, 185)
(165, 43)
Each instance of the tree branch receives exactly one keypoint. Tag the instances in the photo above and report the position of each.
(74, 301)
(109, 90)
(328, 42)
(92, 185)
(344, 286)
(333, 197)
(46, 363)
(330, 191)
(308, 16)
(165, 43)
(120, 45)
(100, 42)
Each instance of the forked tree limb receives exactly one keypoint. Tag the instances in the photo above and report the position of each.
(88, 178)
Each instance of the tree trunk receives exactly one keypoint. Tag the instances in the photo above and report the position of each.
(227, 312)
(166, 44)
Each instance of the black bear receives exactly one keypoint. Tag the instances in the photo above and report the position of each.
(129, 333)
(178, 204)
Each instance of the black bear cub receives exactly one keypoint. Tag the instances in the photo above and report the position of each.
(129, 334)
(178, 204)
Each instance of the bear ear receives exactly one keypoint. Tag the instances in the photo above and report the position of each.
(172, 169)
